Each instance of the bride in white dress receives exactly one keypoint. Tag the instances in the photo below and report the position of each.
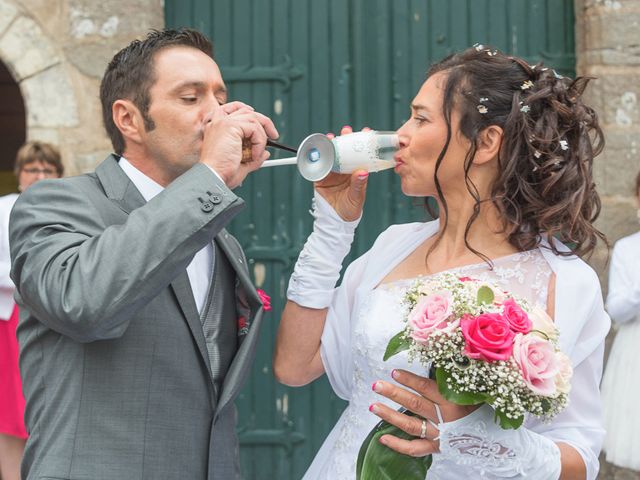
(620, 383)
(505, 149)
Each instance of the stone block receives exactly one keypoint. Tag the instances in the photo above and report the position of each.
(8, 12)
(611, 28)
(92, 59)
(87, 162)
(614, 94)
(49, 135)
(26, 48)
(615, 170)
(617, 219)
(50, 99)
(113, 19)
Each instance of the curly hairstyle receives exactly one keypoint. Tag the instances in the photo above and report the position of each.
(550, 137)
(130, 74)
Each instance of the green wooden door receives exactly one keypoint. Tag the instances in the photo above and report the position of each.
(313, 66)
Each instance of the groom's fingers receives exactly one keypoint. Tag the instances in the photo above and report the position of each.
(411, 425)
(414, 448)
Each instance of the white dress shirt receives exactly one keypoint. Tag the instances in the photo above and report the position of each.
(200, 269)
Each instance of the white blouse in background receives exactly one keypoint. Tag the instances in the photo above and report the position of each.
(621, 385)
(6, 285)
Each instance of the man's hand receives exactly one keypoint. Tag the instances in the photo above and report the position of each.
(229, 125)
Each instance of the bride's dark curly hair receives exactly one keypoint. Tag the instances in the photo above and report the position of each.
(545, 185)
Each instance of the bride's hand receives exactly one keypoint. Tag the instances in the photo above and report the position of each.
(425, 404)
(345, 192)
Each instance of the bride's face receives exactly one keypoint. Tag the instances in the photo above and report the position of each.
(422, 139)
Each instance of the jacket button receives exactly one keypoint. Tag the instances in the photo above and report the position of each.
(215, 199)
(207, 207)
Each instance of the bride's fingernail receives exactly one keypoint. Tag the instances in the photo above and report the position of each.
(376, 387)
(394, 373)
(363, 176)
(373, 408)
(383, 440)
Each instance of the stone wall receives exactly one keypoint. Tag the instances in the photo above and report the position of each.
(608, 48)
(57, 52)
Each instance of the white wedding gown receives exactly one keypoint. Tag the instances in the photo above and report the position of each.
(352, 351)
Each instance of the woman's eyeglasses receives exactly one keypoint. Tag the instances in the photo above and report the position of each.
(49, 172)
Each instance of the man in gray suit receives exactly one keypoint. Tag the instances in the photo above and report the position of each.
(129, 287)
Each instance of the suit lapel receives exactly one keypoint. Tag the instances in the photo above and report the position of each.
(121, 190)
(243, 359)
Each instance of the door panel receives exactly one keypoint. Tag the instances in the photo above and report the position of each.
(313, 66)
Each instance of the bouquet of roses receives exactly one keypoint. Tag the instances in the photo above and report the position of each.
(483, 345)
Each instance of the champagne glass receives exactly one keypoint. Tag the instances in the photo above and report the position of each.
(318, 155)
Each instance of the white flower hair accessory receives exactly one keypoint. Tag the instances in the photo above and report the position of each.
(564, 145)
(526, 85)
(524, 108)
(482, 109)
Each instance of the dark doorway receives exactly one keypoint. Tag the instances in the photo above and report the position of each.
(12, 128)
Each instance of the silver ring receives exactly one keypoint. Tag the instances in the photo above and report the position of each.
(423, 429)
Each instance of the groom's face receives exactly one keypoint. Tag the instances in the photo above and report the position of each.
(188, 87)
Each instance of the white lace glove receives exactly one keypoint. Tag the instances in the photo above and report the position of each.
(480, 448)
(318, 267)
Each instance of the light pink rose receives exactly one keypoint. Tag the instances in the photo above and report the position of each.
(518, 319)
(487, 337)
(431, 312)
(543, 324)
(538, 363)
(563, 379)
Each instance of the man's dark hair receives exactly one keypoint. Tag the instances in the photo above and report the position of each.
(130, 75)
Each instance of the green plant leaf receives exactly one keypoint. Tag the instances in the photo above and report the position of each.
(464, 398)
(377, 462)
(508, 423)
(397, 344)
(485, 295)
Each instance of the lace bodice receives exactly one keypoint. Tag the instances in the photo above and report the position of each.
(526, 274)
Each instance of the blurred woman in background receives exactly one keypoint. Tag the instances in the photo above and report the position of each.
(34, 161)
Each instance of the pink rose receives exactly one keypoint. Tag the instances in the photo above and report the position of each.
(430, 312)
(565, 372)
(518, 319)
(487, 337)
(538, 363)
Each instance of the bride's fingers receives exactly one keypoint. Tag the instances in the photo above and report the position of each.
(411, 425)
(424, 386)
(414, 448)
(417, 404)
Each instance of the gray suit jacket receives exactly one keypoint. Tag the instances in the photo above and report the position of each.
(113, 356)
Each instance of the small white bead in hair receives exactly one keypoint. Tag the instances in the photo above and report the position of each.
(526, 85)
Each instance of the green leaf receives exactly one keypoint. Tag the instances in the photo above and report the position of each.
(397, 344)
(464, 398)
(508, 423)
(377, 462)
(485, 295)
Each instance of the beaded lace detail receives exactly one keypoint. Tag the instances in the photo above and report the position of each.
(525, 274)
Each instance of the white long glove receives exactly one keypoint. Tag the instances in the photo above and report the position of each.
(318, 267)
(475, 446)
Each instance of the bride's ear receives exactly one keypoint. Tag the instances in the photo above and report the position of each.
(489, 143)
